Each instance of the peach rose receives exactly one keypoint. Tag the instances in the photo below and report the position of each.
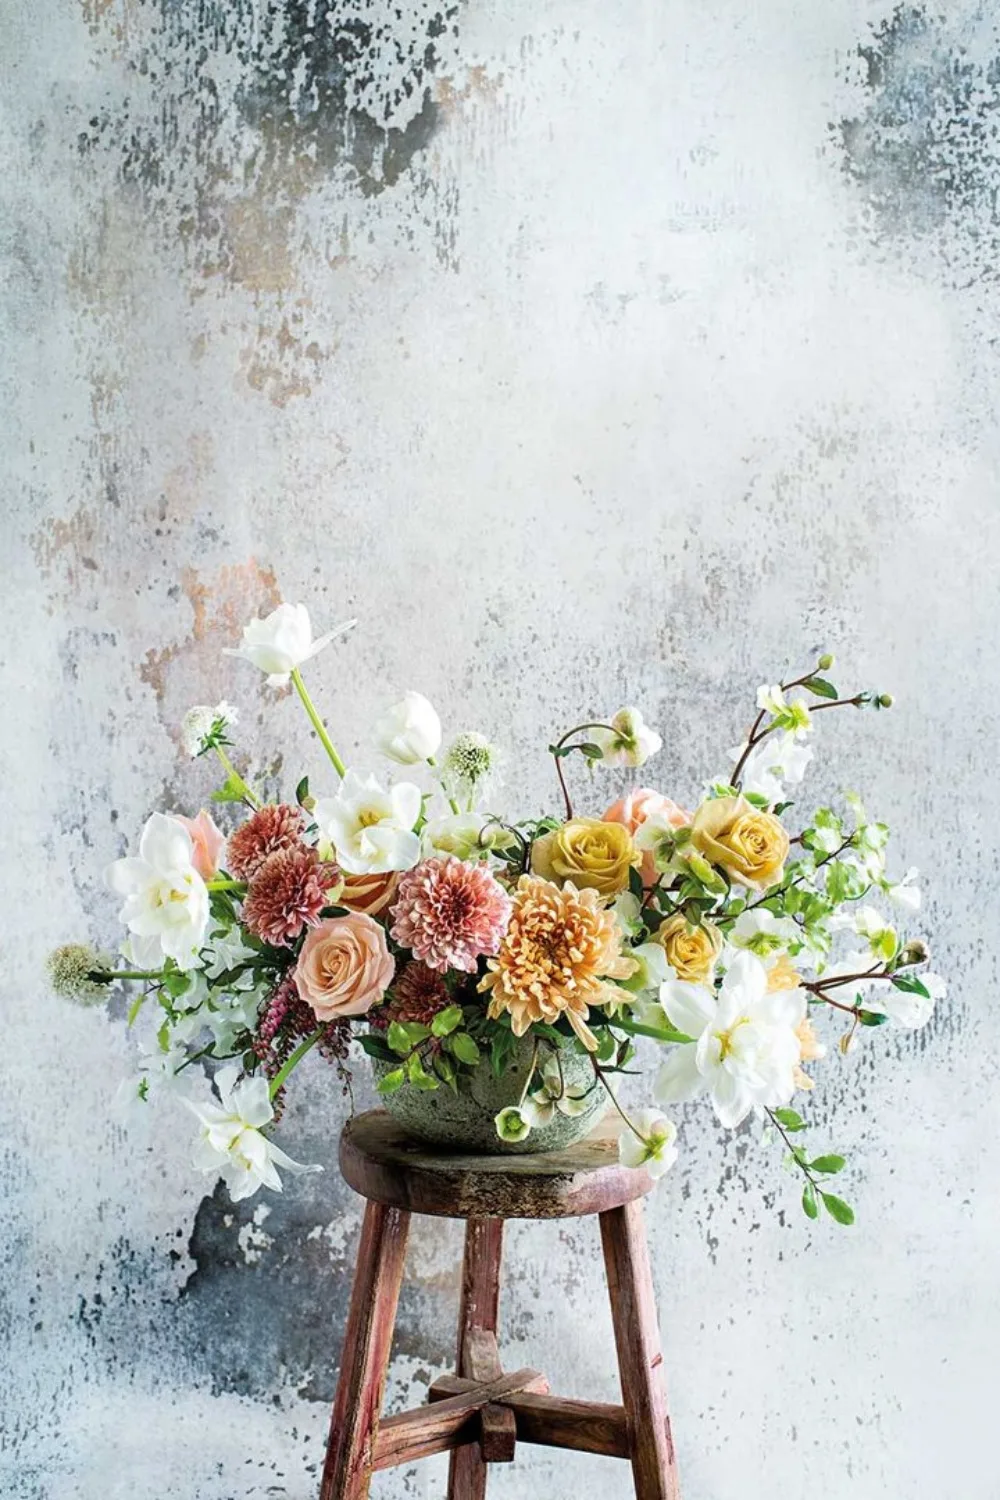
(369, 893)
(634, 809)
(208, 843)
(345, 966)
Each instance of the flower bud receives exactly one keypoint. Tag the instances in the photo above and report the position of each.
(826, 661)
(410, 731)
(885, 700)
(916, 951)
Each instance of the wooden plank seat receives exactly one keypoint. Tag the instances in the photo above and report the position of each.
(481, 1413)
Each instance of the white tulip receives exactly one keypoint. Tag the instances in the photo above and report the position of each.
(231, 1144)
(653, 1147)
(370, 830)
(166, 901)
(410, 731)
(281, 641)
(745, 1049)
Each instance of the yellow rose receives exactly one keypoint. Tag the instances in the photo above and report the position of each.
(750, 845)
(589, 852)
(691, 951)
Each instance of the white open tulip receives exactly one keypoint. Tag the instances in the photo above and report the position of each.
(410, 731)
(369, 829)
(166, 901)
(280, 642)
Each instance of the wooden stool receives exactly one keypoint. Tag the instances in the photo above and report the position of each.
(480, 1412)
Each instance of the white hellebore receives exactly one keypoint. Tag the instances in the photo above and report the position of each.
(764, 933)
(628, 742)
(653, 1148)
(231, 1143)
(166, 900)
(410, 731)
(282, 641)
(779, 760)
(371, 830)
(455, 833)
(745, 1049)
(555, 1094)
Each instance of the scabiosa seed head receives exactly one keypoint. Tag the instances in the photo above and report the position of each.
(70, 968)
(287, 893)
(271, 828)
(203, 727)
(471, 760)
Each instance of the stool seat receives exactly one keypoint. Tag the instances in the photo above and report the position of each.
(385, 1165)
(482, 1413)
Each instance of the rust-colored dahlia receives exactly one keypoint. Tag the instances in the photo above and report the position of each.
(560, 950)
(287, 893)
(272, 827)
(417, 995)
(449, 913)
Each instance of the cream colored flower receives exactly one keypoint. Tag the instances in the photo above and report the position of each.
(557, 957)
(692, 952)
(810, 1049)
(592, 854)
(751, 846)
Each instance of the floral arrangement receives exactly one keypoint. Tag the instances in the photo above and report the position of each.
(415, 919)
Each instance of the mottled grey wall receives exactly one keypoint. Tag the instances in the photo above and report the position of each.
(589, 350)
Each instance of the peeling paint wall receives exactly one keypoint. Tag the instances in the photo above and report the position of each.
(588, 352)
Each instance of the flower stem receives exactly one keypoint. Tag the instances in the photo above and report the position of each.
(577, 729)
(293, 1061)
(318, 724)
(638, 1028)
(599, 1072)
(225, 885)
(432, 762)
(231, 771)
(109, 976)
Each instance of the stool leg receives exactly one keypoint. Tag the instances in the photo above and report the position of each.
(479, 1310)
(633, 1309)
(365, 1357)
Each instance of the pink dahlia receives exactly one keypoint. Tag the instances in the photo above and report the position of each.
(449, 913)
(287, 893)
(272, 827)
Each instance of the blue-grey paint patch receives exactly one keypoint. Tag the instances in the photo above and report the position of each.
(923, 151)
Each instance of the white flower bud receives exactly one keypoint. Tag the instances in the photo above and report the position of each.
(410, 731)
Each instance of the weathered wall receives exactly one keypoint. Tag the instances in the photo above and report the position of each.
(587, 351)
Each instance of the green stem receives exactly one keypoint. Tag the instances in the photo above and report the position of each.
(225, 885)
(249, 795)
(318, 724)
(109, 976)
(292, 1062)
(599, 1071)
(432, 762)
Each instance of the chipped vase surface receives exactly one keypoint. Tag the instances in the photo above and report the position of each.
(465, 1119)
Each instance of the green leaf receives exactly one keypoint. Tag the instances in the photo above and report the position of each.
(827, 1164)
(417, 1074)
(635, 884)
(464, 1048)
(837, 1208)
(392, 1081)
(136, 1007)
(447, 1020)
(403, 1036)
(820, 687)
(501, 1047)
(231, 790)
(790, 1119)
(376, 1046)
(445, 1070)
(872, 1018)
(606, 1047)
(592, 752)
(911, 984)
(809, 1205)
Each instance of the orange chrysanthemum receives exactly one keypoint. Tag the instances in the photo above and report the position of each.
(560, 949)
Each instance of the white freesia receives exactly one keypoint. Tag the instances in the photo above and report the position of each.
(745, 1050)
(555, 1094)
(231, 1143)
(410, 731)
(905, 894)
(628, 742)
(653, 1147)
(778, 761)
(456, 833)
(166, 901)
(763, 933)
(905, 1007)
(282, 641)
(770, 698)
(369, 829)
